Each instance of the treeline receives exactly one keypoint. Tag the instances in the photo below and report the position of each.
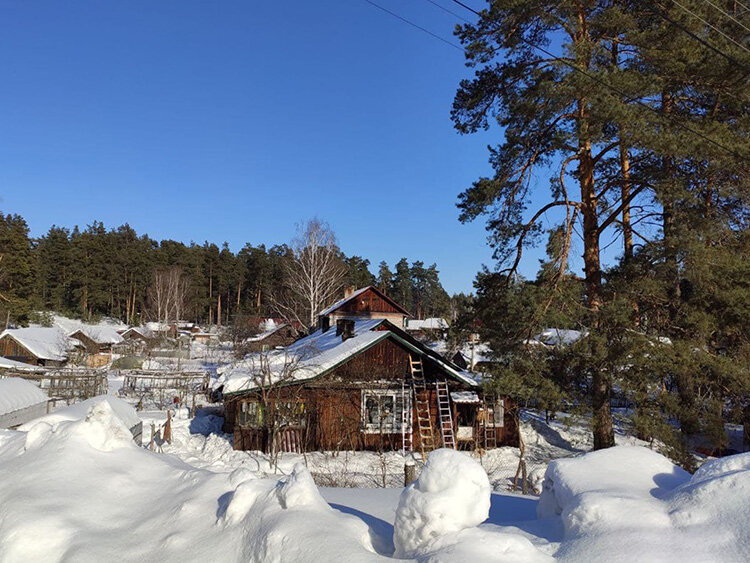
(116, 272)
(641, 114)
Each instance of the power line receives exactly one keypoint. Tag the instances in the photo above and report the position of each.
(446, 10)
(709, 24)
(614, 89)
(702, 41)
(419, 27)
(727, 14)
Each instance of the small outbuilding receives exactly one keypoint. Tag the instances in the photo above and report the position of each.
(20, 402)
(39, 346)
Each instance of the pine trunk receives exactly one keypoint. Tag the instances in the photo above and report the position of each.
(603, 430)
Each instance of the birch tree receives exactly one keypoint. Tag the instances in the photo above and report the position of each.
(315, 274)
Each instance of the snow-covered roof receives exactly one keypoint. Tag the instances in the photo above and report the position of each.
(270, 329)
(469, 397)
(17, 394)
(143, 331)
(432, 323)
(556, 337)
(46, 343)
(317, 354)
(153, 326)
(100, 334)
(7, 363)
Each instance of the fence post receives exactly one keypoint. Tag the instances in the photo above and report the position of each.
(410, 472)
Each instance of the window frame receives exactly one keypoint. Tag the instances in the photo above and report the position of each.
(401, 403)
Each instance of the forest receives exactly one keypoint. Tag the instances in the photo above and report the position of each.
(96, 271)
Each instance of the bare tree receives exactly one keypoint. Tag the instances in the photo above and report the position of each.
(314, 277)
(168, 294)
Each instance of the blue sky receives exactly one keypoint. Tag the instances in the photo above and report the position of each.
(234, 120)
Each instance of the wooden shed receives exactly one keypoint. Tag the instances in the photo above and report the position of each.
(39, 346)
(20, 402)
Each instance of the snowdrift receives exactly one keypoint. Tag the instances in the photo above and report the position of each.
(81, 490)
(632, 504)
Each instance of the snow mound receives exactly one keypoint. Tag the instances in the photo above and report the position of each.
(101, 429)
(438, 515)
(123, 410)
(290, 521)
(634, 497)
(451, 493)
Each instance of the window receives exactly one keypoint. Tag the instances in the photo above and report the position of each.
(498, 415)
(382, 411)
(251, 414)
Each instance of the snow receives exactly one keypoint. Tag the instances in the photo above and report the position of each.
(452, 493)
(104, 332)
(17, 394)
(7, 363)
(632, 496)
(78, 411)
(79, 489)
(553, 337)
(47, 343)
(432, 323)
(464, 397)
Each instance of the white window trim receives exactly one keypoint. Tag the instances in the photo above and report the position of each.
(396, 428)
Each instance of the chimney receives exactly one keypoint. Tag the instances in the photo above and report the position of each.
(349, 291)
(345, 328)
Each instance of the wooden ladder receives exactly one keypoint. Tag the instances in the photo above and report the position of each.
(445, 414)
(422, 406)
(490, 434)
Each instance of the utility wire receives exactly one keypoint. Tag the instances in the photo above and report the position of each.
(709, 24)
(419, 27)
(661, 13)
(446, 10)
(616, 90)
(727, 14)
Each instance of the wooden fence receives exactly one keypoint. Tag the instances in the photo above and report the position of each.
(67, 385)
(183, 383)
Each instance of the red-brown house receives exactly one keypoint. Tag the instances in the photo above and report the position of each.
(360, 382)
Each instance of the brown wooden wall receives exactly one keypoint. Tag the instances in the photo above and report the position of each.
(334, 423)
(10, 348)
(368, 302)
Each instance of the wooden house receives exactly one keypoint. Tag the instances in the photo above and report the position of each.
(366, 303)
(276, 336)
(39, 346)
(361, 382)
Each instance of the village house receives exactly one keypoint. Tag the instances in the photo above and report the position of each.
(430, 329)
(273, 336)
(360, 381)
(39, 346)
(98, 343)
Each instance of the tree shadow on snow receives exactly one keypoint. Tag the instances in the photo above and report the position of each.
(552, 436)
(667, 482)
(381, 532)
(511, 511)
